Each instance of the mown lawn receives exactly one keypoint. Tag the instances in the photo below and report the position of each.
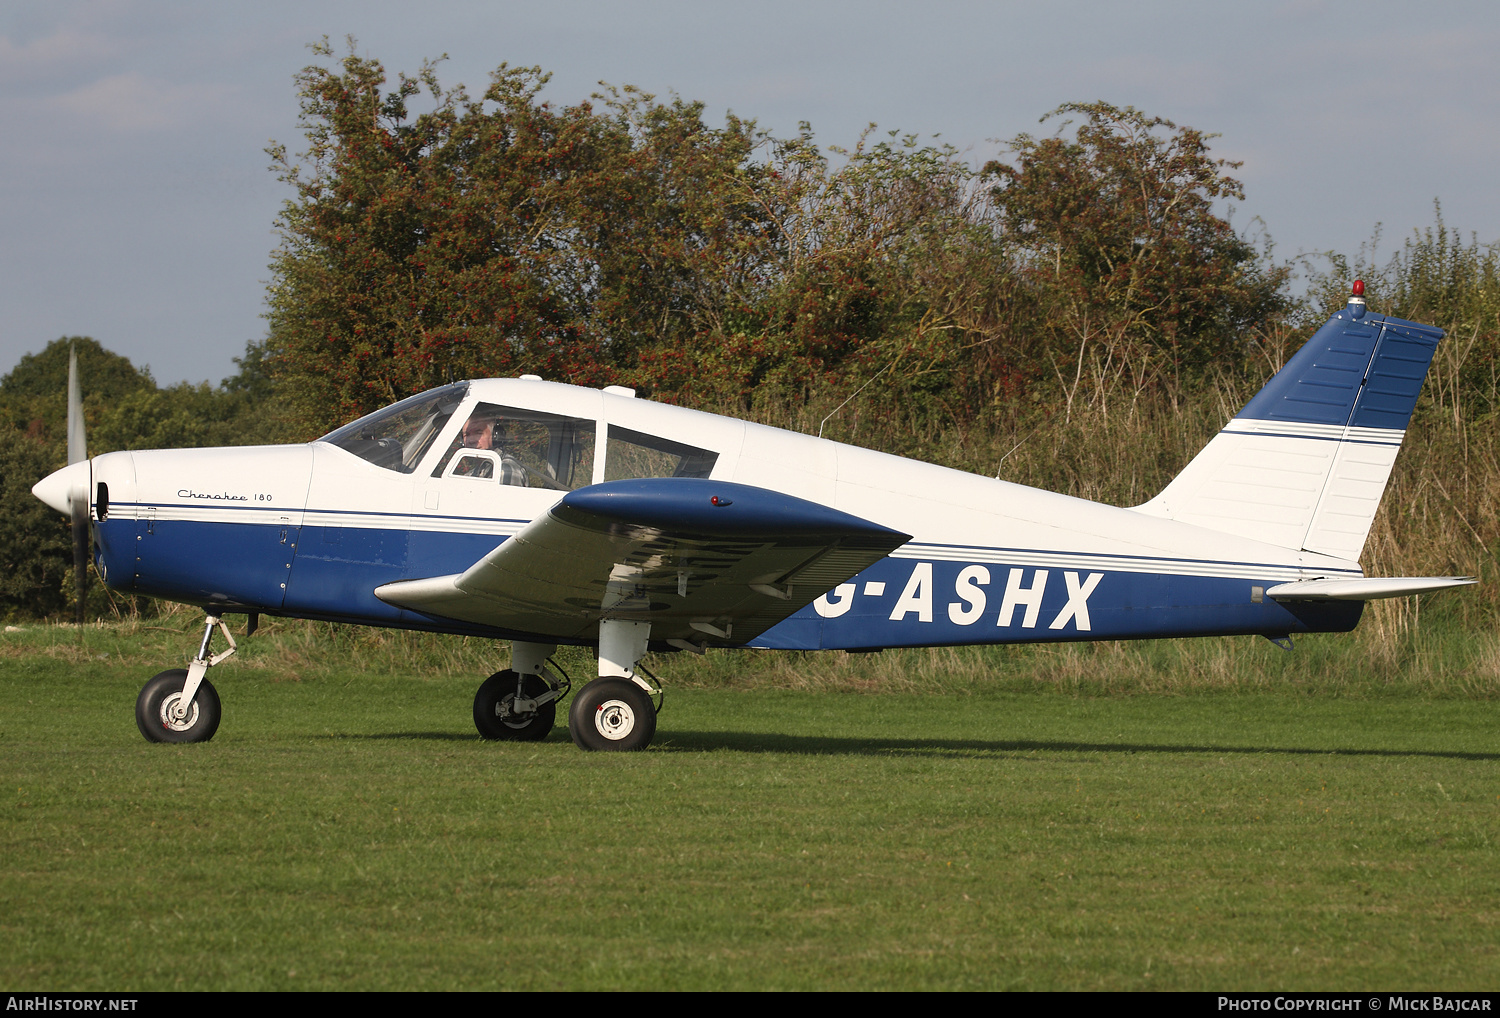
(349, 831)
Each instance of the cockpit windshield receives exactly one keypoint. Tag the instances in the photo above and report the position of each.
(398, 436)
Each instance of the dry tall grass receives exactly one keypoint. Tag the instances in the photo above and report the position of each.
(1440, 516)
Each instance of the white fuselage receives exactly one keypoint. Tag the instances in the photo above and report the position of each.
(311, 530)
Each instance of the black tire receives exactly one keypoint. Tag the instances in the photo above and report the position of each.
(499, 690)
(158, 696)
(612, 714)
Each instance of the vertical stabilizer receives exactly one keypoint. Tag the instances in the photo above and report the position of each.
(1305, 463)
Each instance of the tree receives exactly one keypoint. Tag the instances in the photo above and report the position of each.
(492, 236)
(45, 374)
(1116, 231)
(885, 267)
(624, 240)
(36, 547)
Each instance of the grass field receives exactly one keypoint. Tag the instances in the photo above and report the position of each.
(1280, 821)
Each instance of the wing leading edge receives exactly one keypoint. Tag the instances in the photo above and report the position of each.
(710, 563)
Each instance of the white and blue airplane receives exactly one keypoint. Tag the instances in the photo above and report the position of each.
(550, 514)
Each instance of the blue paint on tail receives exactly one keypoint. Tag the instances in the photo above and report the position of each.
(1364, 372)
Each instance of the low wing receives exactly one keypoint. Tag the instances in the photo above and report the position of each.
(707, 562)
(1364, 588)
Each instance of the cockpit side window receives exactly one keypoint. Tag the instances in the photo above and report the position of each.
(535, 449)
(399, 436)
(635, 454)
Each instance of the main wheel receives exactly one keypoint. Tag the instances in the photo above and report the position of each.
(612, 714)
(492, 708)
(153, 709)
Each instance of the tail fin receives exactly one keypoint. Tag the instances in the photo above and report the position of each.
(1305, 463)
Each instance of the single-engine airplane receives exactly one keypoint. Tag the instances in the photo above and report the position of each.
(550, 514)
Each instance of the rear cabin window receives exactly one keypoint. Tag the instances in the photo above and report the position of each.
(533, 449)
(634, 454)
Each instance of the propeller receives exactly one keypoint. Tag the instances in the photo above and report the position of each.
(78, 498)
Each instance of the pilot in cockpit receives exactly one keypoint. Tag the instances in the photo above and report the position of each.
(480, 433)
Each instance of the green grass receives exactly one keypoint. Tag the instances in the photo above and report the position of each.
(347, 830)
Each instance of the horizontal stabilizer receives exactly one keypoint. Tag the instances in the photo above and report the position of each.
(1365, 588)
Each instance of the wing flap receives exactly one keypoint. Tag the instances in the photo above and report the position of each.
(712, 562)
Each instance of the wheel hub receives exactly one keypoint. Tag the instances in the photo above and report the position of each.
(506, 712)
(172, 713)
(614, 720)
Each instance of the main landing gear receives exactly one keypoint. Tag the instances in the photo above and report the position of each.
(617, 711)
(520, 702)
(612, 714)
(180, 705)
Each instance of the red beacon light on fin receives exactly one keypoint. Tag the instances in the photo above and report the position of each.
(1357, 299)
(1359, 288)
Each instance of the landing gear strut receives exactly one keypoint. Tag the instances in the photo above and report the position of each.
(520, 702)
(180, 705)
(616, 711)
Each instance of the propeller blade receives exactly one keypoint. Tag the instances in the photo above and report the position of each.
(77, 442)
(80, 509)
(79, 500)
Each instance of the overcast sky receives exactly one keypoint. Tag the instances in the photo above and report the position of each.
(136, 207)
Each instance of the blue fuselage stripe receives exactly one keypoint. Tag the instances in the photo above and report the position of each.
(331, 572)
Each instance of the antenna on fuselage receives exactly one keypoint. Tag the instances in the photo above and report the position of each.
(856, 392)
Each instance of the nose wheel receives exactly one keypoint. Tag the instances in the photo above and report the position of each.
(180, 705)
(162, 715)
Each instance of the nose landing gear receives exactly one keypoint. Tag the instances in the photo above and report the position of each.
(163, 715)
(180, 705)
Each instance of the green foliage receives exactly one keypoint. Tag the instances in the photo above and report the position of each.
(36, 549)
(881, 268)
(1133, 272)
(624, 240)
(123, 409)
(1437, 278)
(45, 375)
(254, 375)
(496, 235)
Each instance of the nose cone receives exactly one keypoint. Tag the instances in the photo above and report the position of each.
(56, 489)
